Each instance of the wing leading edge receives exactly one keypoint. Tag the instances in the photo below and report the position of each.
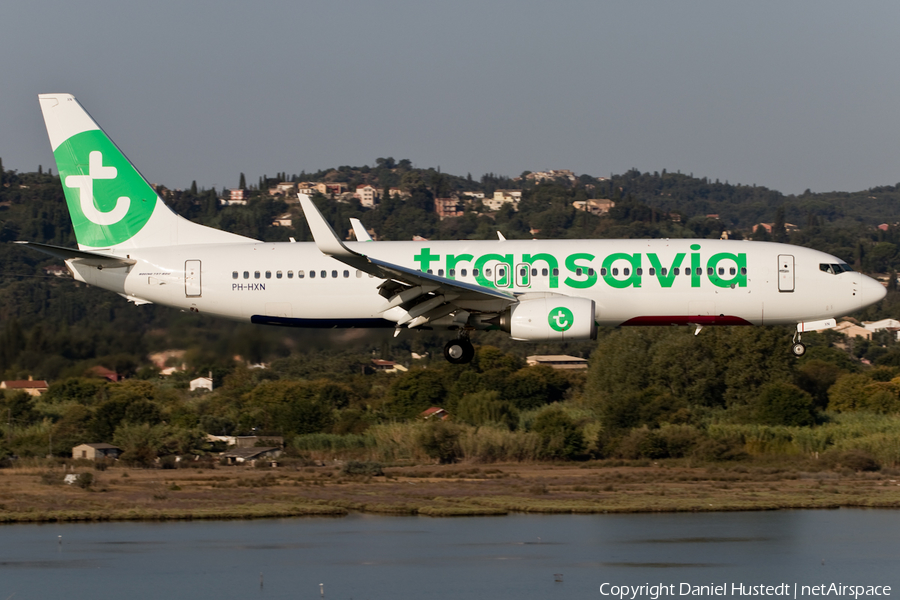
(414, 298)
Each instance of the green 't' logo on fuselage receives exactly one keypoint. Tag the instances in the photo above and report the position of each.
(561, 319)
(108, 199)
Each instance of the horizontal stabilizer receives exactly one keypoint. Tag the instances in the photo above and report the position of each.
(91, 259)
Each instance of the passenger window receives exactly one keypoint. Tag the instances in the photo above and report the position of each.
(440, 272)
(268, 274)
(523, 272)
(301, 274)
(665, 271)
(358, 273)
(430, 272)
(290, 274)
(234, 275)
(675, 271)
(544, 272)
(603, 271)
(700, 271)
(578, 272)
(487, 273)
(323, 274)
(732, 271)
(255, 274)
(652, 271)
(709, 270)
(277, 274)
(452, 272)
(534, 272)
(743, 270)
(474, 272)
(639, 271)
(556, 272)
(615, 271)
(346, 274)
(462, 272)
(312, 274)
(246, 274)
(626, 271)
(334, 274)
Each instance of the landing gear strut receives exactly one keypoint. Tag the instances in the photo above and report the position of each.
(798, 349)
(459, 351)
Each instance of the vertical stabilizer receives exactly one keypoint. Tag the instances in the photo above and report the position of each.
(110, 203)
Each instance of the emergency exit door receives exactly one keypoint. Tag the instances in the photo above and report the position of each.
(785, 273)
(192, 278)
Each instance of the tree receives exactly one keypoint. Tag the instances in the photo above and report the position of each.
(560, 437)
(482, 408)
(243, 183)
(782, 403)
(440, 440)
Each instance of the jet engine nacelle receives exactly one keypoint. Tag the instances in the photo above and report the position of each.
(550, 318)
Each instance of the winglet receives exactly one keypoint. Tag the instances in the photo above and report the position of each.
(359, 230)
(326, 239)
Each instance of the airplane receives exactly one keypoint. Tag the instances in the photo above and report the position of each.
(131, 243)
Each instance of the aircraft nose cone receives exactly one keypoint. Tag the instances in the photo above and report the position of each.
(871, 291)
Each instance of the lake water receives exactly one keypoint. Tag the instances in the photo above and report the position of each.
(514, 557)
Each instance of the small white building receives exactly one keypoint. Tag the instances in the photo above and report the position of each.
(202, 383)
(96, 451)
(502, 197)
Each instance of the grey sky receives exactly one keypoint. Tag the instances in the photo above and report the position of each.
(790, 95)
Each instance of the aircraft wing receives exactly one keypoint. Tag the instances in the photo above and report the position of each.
(90, 259)
(424, 297)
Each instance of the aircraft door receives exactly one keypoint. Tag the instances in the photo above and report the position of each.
(523, 275)
(785, 273)
(192, 278)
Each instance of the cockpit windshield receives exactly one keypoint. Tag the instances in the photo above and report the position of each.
(835, 269)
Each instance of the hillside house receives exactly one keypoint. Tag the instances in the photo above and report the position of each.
(502, 197)
(96, 451)
(448, 207)
(368, 195)
(30, 386)
(595, 207)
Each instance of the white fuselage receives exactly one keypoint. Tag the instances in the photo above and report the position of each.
(633, 282)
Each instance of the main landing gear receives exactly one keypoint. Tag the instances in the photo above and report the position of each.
(459, 351)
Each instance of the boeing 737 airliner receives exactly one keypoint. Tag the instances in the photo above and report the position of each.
(130, 242)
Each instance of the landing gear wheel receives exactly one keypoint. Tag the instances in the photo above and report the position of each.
(459, 352)
(798, 349)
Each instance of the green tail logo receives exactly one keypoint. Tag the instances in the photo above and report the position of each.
(108, 199)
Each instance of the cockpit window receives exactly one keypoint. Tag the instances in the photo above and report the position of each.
(835, 269)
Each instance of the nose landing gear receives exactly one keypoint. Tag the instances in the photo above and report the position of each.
(459, 351)
(798, 349)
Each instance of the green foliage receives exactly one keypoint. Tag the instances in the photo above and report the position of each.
(414, 392)
(560, 436)
(482, 408)
(781, 403)
(286, 408)
(440, 440)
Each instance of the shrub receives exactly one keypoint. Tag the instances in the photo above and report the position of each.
(356, 467)
(855, 460)
(440, 440)
(85, 480)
